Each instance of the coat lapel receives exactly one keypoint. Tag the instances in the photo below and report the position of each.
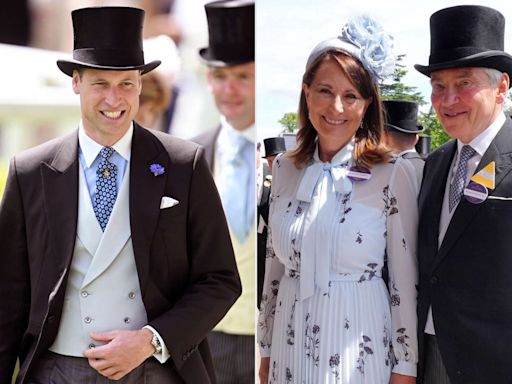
(60, 193)
(146, 191)
(88, 229)
(115, 236)
(208, 140)
(431, 197)
(500, 152)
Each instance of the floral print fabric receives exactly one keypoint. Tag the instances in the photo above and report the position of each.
(353, 329)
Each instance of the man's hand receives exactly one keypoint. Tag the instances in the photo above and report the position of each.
(397, 378)
(125, 351)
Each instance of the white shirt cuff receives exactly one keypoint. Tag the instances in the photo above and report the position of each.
(163, 356)
(405, 368)
(265, 351)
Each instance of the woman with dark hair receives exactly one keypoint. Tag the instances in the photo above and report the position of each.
(341, 210)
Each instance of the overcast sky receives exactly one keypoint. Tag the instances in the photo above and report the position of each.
(287, 30)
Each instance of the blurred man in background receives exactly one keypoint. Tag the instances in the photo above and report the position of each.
(230, 149)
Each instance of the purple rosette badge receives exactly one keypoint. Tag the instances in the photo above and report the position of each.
(359, 173)
(156, 169)
(475, 193)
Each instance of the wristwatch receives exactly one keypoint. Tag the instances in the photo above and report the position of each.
(155, 342)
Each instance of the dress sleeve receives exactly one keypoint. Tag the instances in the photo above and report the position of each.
(402, 222)
(274, 271)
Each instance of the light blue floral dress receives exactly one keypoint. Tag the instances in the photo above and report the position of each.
(326, 313)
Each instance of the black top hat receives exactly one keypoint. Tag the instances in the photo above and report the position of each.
(107, 38)
(467, 36)
(402, 115)
(424, 146)
(230, 32)
(274, 146)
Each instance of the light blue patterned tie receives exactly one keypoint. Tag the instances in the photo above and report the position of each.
(106, 190)
(459, 181)
(235, 192)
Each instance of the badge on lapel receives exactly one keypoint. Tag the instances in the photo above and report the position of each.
(477, 190)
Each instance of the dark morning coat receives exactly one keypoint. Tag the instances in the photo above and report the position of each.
(183, 254)
(468, 280)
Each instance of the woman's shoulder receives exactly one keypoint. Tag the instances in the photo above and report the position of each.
(395, 167)
(284, 164)
(284, 171)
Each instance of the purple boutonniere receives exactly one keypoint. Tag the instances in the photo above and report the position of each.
(156, 169)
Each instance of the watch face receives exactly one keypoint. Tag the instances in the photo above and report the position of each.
(156, 343)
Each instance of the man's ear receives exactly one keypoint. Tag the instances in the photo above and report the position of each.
(139, 84)
(75, 80)
(503, 86)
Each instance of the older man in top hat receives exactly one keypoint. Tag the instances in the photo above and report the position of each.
(465, 289)
(117, 258)
(401, 132)
(230, 150)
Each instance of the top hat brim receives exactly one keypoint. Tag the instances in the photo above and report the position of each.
(272, 154)
(208, 58)
(68, 66)
(418, 128)
(499, 60)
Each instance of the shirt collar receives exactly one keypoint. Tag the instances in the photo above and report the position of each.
(248, 133)
(405, 152)
(343, 156)
(484, 139)
(90, 148)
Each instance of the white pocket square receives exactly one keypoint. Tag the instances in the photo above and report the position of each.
(499, 198)
(168, 202)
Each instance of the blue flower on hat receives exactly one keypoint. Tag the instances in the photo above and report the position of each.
(156, 169)
(376, 46)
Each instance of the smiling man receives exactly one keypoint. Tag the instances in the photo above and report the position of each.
(465, 205)
(230, 151)
(118, 252)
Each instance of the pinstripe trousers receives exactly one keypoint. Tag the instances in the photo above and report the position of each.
(52, 368)
(435, 371)
(233, 357)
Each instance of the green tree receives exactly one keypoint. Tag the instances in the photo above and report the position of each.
(289, 122)
(397, 90)
(433, 128)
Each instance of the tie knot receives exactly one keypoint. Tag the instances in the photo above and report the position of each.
(106, 153)
(466, 153)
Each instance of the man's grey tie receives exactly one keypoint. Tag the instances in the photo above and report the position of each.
(459, 181)
(106, 190)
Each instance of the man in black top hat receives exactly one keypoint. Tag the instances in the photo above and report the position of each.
(464, 242)
(230, 151)
(273, 147)
(401, 132)
(117, 255)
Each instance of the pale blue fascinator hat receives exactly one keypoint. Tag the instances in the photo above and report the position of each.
(364, 39)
